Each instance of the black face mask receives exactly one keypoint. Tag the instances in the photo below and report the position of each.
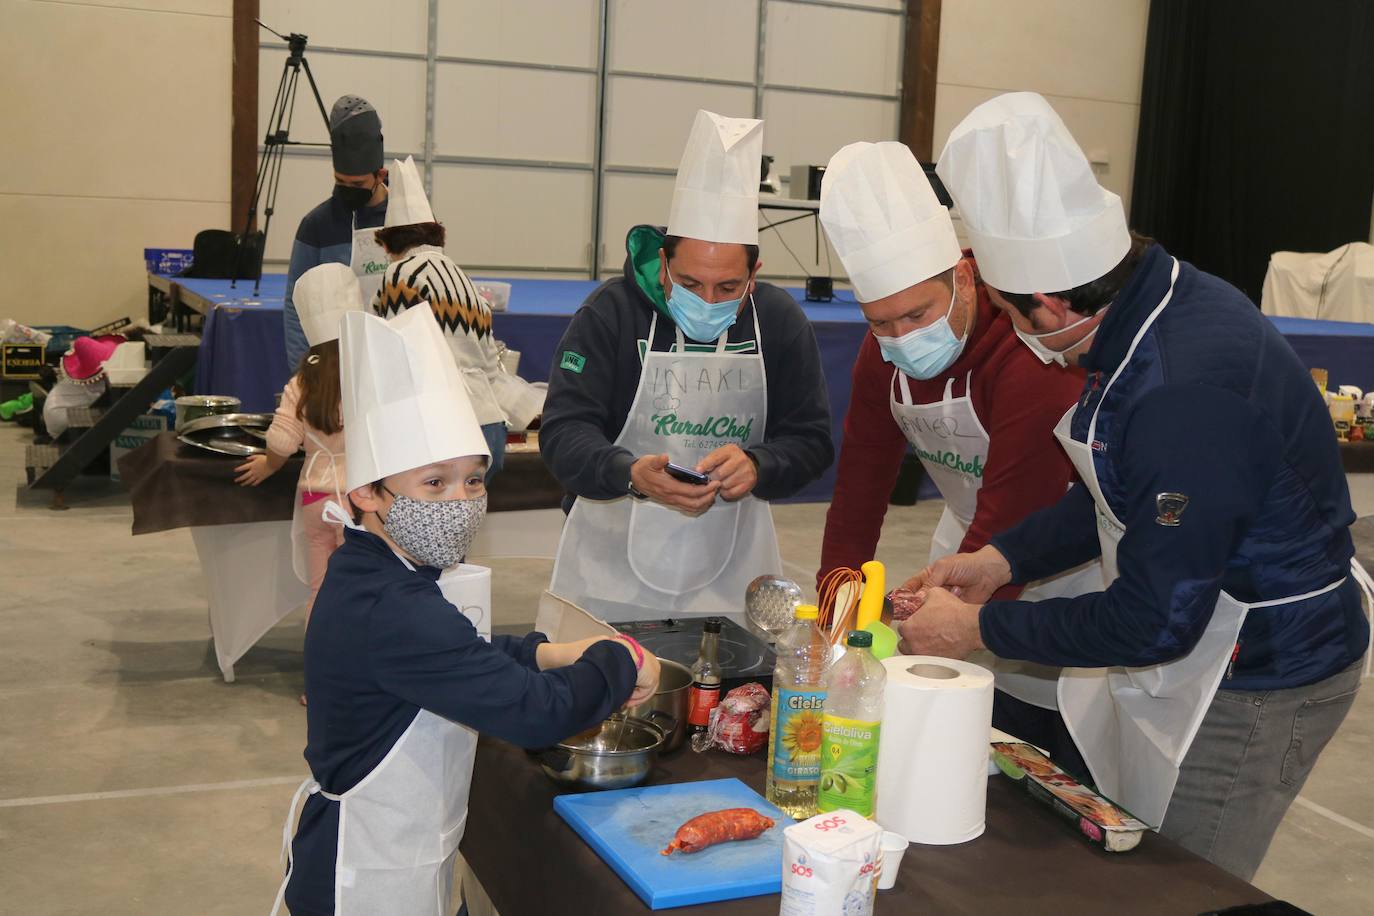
(353, 198)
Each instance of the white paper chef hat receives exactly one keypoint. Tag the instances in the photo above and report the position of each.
(406, 203)
(1036, 217)
(884, 219)
(404, 401)
(322, 295)
(716, 196)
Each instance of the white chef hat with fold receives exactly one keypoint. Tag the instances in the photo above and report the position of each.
(716, 194)
(404, 402)
(406, 203)
(1036, 217)
(322, 295)
(884, 219)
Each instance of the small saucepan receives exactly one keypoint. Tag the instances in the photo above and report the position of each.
(672, 697)
(194, 406)
(614, 755)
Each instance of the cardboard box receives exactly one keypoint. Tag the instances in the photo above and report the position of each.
(167, 261)
(1098, 819)
(142, 430)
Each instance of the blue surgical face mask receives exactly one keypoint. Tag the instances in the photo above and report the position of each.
(926, 352)
(699, 319)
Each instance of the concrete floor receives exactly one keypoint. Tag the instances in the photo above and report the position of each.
(134, 780)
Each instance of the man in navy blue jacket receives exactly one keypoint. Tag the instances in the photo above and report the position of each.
(339, 230)
(1225, 652)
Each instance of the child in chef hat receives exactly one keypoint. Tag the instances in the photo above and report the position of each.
(310, 416)
(400, 681)
(421, 274)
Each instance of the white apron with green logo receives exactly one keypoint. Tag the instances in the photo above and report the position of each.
(953, 446)
(626, 559)
(369, 261)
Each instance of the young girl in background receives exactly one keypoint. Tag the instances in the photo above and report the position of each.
(420, 272)
(310, 416)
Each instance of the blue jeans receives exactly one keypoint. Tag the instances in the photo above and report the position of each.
(495, 434)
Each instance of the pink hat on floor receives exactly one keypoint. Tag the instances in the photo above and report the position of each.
(88, 355)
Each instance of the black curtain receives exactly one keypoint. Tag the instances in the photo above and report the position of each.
(1256, 131)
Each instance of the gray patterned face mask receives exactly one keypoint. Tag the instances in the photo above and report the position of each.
(438, 533)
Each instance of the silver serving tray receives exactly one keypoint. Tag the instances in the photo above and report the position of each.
(235, 434)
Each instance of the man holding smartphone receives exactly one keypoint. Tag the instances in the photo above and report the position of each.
(684, 395)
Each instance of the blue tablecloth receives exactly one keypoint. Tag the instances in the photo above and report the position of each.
(1345, 349)
(241, 349)
(242, 353)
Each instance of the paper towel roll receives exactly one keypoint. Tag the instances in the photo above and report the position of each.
(933, 753)
(468, 588)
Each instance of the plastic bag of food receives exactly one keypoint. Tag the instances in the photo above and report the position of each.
(904, 603)
(739, 724)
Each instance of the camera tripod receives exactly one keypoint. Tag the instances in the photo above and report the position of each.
(275, 142)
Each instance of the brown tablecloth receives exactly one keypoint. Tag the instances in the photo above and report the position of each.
(524, 482)
(1029, 860)
(172, 485)
(1357, 457)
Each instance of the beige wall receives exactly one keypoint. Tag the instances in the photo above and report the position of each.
(116, 138)
(92, 170)
(1085, 56)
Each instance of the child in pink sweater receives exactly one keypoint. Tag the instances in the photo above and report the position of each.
(310, 417)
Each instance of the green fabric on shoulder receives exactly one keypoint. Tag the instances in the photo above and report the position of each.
(643, 244)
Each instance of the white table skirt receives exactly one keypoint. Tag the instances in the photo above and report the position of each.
(520, 533)
(250, 583)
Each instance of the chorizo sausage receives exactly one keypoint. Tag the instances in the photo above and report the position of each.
(718, 827)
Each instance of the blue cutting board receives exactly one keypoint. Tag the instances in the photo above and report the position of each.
(629, 828)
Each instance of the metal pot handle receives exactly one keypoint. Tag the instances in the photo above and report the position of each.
(667, 725)
(557, 759)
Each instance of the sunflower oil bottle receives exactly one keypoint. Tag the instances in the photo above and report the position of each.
(795, 730)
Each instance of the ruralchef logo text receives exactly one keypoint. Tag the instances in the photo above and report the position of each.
(668, 424)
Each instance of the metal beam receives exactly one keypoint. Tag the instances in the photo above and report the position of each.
(96, 440)
(641, 170)
(431, 45)
(837, 5)
(677, 78)
(439, 158)
(760, 51)
(599, 148)
(352, 52)
(841, 93)
(501, 161)
(440, 58)
(516, 64)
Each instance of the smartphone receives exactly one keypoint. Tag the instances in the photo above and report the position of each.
(686, 475)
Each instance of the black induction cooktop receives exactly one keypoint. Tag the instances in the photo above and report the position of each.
(743, 655)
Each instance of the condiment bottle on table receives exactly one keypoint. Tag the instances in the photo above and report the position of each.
(794, 735)
(705, 695)
(850, 728)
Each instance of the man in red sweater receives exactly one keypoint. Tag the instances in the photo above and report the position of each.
(943, 372)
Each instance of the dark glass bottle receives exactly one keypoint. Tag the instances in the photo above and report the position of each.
(705, 695)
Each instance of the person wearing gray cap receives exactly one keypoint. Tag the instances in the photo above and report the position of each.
(341, 229)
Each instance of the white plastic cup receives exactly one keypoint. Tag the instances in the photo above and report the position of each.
(893, 846)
